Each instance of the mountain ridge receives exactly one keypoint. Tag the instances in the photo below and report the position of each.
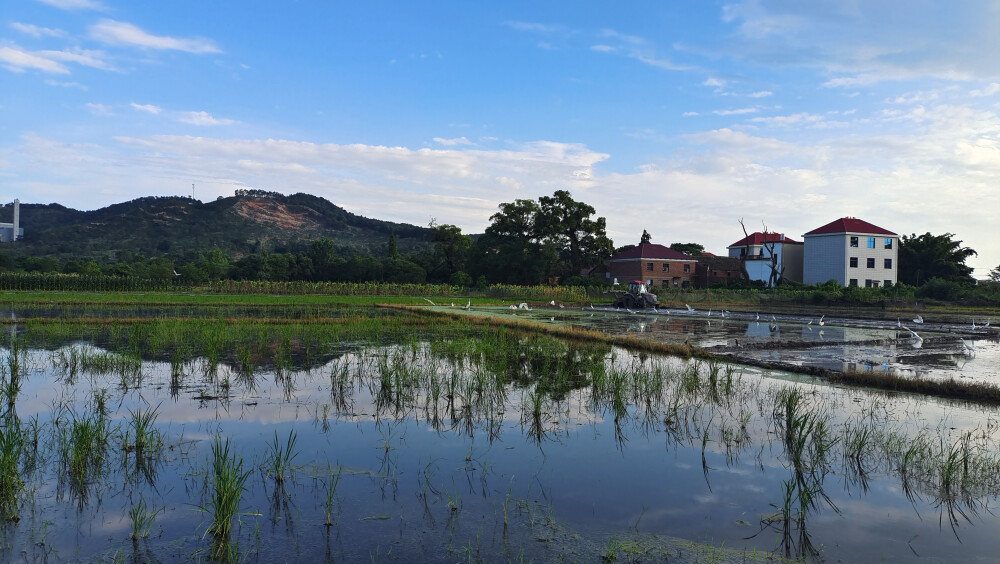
(181, 227)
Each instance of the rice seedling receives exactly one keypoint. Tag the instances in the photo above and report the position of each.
(278, 460)
(142, 435)
(141, 520)
(330, 485)
(11, 483)
(228, 481)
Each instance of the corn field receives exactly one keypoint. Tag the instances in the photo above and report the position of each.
(36, 281)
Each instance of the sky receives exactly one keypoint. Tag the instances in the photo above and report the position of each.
(680, 117)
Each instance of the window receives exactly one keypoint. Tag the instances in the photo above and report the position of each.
(888, 264)
(666, 267)
(687, 268)
(649, 266)
(871, 263)
(874, 283)
(854, 262)
(887, 283)
(888, 242)
(871, 242)
(854, 241)
(868, 283)
(854, 282)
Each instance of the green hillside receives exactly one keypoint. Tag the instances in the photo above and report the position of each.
(180, 228)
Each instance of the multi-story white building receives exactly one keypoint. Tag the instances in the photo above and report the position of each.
(787, 252)
(851, 251)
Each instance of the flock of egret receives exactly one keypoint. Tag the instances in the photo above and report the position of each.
(915, 338)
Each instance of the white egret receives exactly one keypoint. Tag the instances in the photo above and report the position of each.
(689, 308)
(918, 319)
(821, 319)
(968, 348)
(430, 302)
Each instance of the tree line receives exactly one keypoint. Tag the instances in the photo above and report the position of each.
(553, 239)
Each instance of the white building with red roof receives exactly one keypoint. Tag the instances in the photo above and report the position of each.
(851, 251)
(757, 247)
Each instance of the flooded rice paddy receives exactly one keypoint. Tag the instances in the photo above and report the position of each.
(909, 347)
(365, 435)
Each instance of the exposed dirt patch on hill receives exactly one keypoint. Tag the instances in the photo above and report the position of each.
(270, 212)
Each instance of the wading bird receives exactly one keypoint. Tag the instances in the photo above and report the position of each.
(430, 302)
(918, 319)
(968, 348)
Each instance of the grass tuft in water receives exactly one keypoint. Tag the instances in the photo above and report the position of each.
(278, 460)
(228, 484)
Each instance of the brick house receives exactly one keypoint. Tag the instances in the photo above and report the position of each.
(852, 252)
(713, 270)
(655, 264)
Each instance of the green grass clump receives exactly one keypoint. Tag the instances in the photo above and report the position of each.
(11, 484)
(228, 484)
(278, 460)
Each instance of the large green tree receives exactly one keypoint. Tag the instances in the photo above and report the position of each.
(451, 250)
(581, 241)
(528, 241)
(922, 257)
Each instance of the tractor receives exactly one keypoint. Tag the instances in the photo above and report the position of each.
(637, 296)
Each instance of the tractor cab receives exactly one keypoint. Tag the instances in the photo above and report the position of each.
(637, 287)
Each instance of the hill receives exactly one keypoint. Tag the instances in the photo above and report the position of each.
(181, 228)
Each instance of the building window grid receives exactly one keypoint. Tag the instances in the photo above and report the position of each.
(854, 262)
(649, 266)
(854, 241)
(871, 242)
(687, 268)
(888, 242)
(888, 264)
(871, 263)
(666, 267)
(854, 282)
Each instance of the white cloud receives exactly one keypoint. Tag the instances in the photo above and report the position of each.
(121, 33)
(991, 90)
(76, 85)
(761, 94)
(74, 4)
(864, 43)
(736, 112)
(452, 142)
(714, 82)
(635, 47)
(99, 109)
(147, 108)
(37, 32)
(802, 118)
(202, 118)
(94, 59)
(15, 59)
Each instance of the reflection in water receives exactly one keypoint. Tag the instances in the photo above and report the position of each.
(527, 436)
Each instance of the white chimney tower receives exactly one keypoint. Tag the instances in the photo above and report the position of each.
(17, 219)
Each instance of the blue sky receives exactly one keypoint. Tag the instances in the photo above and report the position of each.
(675, 117)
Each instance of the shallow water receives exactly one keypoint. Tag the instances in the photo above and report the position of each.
(646, 455)
(839, 344)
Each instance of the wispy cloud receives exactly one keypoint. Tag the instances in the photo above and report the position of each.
(541, 28)
(202, 118)
(76, 85)
(17, 59)
(149, 108)
(736, 112)
(99, 109)
(453, 142)
(36, 31)
(635, 47)
(74, 4)
(121, 33)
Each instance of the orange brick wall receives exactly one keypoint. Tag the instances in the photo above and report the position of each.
(628, 270)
